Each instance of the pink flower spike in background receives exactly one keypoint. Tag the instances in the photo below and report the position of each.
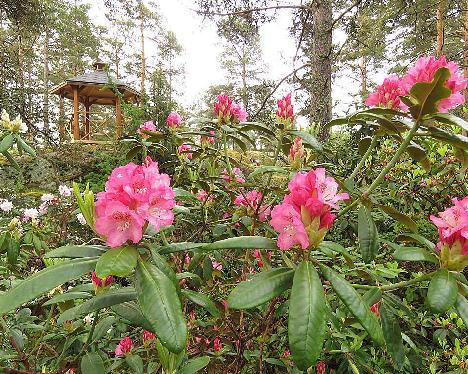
(238, 113)
(203, 196)
(285, 111)
(173, 120)
(387, 95)
(124, 347)
(148, 336)
(148, 126)
(424, 71)
(182, 150)
(217, 345)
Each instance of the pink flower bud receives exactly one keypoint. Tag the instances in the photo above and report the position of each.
(148, 336)
(183, 151)
(285, 112)
(98, 282)
(375, 309)
(124, 347)
(217, 345)
(173, 120)
(321, 368)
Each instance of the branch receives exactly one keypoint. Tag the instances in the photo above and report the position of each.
(277, 86)
(346, 11)
(304, 25)
(247, 11)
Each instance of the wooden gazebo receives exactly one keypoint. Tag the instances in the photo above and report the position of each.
(93, 88)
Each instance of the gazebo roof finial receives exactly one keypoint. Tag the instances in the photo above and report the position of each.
(100, 65)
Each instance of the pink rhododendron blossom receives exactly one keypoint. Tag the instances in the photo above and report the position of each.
(135, 195)
(30, 213)
(304, 216)
(64, 191)
(285, 111)
(43, 208)
(99, 282)
(6, 205)
(148, 336)
(297, 151)
(173, 120)
(183, 150)
(217, 265)
(375, 309)
(228, 111)
(238, 175)
(424, 71)
(217, 345)
(321, 368)
(452, 225)
(48, 198)
(147, 126)
(203, 196)
(124, 347)
(387, 95)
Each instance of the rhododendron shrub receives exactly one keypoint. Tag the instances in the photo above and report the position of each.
(205, 252)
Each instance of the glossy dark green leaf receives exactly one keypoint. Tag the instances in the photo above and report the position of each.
(11, 160)
(260, 288)
(117, 261)
(268, 169)
(401, 217)
(202, 300)
(92, 363)
(457, 140)
(364, 144)
(135, 363)
(442, 292)
(451, 119)
(241, 242)
(392, 334)
(25, 146)
(130, 311)
(180, 247)
(354, 303)
(43, 281)
(102, 327)
(306, 321)
(462, 308)
(372, 296)
(416, 238)
(194, 365)
(160, 305)
(76, 251)
(60, 298)
(13, 251)
(308, 139)
(367, 235)
(414, 254)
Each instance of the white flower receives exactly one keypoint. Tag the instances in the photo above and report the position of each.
(64, 190)
(5, 120)
(32, 213)
(43, 208)
(81, 219)
(47, 198)
(88, 319)
(6, 205)
(17, 125)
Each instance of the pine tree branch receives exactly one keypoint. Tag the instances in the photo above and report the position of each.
(346, 11)
(247, 11)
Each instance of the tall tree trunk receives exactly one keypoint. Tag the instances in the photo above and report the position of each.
(321, 65)
(440, 26)
(363, 70)
(46, 82)
(142, 52)
(244, 80)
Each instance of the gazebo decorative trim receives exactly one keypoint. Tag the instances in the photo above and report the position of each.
(92, 88)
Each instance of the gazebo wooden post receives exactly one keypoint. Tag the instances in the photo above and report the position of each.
(87, 127)
(61, 119)
(119, 119)
(76, 125)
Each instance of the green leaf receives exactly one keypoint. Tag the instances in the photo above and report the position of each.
(202, 300)
(442, 291)
(456, 140)
(414, 254)
(416, 238)
(194, 365)
(135, 363)
(401, 217)
(21, 143)
(462, 308)
(427, 95)
(180, 247)
(6, 143)
(307, 312)
(367, 235)
(92, 363)
(364, 144)
(131, 312)
(160, 305)
(268, 169)
(241, 242)
(76, 251)
(452, 120)
(372, 296)
(102, 327)
(261, 288)
(13, 251)
(392, 334)
(117, 261)
(43, 281)
(308, 139)
(60, 298)
(354, 303)
(462, 156)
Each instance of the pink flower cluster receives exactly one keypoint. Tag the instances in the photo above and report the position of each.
(250, 201)
(124, 347)
(238, 175)
(184, 149)
(134, 196)
(99, 282)
(147, 126)
(229, 111)
(148, 337)
(388, 94)
(204, 197)
(285, 111)
(297, 152)
(453, 226)
(173, 120)
(304, 216)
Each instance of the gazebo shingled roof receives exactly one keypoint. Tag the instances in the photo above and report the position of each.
(93, 88)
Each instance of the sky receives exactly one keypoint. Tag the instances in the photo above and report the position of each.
(202, 49)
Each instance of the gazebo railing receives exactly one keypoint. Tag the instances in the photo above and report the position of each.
(98, 129)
